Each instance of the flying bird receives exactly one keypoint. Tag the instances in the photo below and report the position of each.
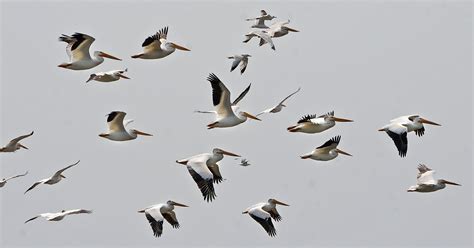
(279, 106)
(59, 216)
(244, 162)
(157, 213)
(117, 131)
(327, 151)
(264, 212)
(109, 76)
(234, 105)
(56, 178)
(14, 144)
(426, 182)
(264, 38)
(205, 171)
(226, 116)
(279, 29)
(5, 180)
(316, 124)
(242, 59)
(401, 126)
(78, 51)
(260, 20)
(157, 46)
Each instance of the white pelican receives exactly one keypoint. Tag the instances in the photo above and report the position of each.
(59, 216)
(264, 38)
(264, 212)
(426, 182)
(260, 21)
(399, 127)
(56, 178)
(117, 130)
(234, 106)
(157, 46)
(316, 124)
(226, 115)
(5, 180)
(156, 213)
(242, 59)
(278, 29)
(78, 51)
(109, 76)
(327, 151)
(14, 144)
(279, 106)
(205, 170)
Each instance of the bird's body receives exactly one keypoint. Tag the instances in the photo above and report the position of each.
(59, 216)
(5, 180)
(327, 151)
(156, 214)
(316, 124)
(263, 35)
(157, 46)
(56, 178)
(109, 76)
(117, 131)
(279, 106)
(260, 20)
(14, 144)
(264, 212)
(242, 59)
(426, 182)
(279, 29)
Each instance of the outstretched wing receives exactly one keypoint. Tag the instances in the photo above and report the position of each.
(153, 43)
(170, 216)
(398, 133)
(241, 96)
(203, 178)
(425, 175)
(17, 139)
(217, 177)
(264, 219)
(59, 172)
(20, 175)
(290, 95)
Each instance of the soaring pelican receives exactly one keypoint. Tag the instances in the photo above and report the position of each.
(316, 124)
(426, 182)
(157, 46)
(109, 76)
(156, 213)
(399, 127)
(279, 106)
(226, 115)
(242, 59)
(260, 21)
(78, 51)
(5, 180)
(264, 38)
(56, 178)
(205, 170)
(327, 151)
(14, 144)
(117, 130)
(264, 212)
(59, 216)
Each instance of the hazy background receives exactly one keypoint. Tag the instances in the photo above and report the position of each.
(368, 61)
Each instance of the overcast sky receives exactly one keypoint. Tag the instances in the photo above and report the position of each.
(368, 61)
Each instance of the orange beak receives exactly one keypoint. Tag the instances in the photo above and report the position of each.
(142, 133)
(343, 152)
(341, 119)
(250, 116)
(179, 47)
(422, 120)
(229, 153)
(105, 55)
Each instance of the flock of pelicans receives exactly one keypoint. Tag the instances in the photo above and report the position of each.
(203, 168)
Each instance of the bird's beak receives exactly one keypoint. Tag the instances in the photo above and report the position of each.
(90, 78)
(245, 212)
(104, 135)
(63, 176)
(179, 47)
(448, 182)
(341, 119)
(141, 211)
(123, 76)
(343, 152)
(250, 116)
(180, 205)
(381, 130)
(105, 55)
(422, 120)
(182, 162)
(281, 203)
(22, 146)
(305, 156)
(292, 30)
(229, 153)
(142, 133)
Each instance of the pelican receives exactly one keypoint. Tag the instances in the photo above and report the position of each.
(242, 59)
(234, 105)
(264, 212)
(109, 76)
(426, 183)
(14, 144)
(157, 46)
(156, 213)
(328, 151)
(399, 127)
(5, 180)
(59, 216)
(260, 21)
(117, 131)
(264, 38)
(205, 170)
(56, 178)
(226, 115)
(316, 124)
(78, 51)
(279, 106)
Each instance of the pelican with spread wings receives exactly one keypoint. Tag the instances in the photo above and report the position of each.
(157, 46)
(15, 144)
(426, 182)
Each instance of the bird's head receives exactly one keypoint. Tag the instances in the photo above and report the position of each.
(173, 203)
(91, 77)
(275, 202)
(223, 152)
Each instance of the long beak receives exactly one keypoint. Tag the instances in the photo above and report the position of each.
(22, 146)
(104, 135)
(422, 120)
(105, 55)
(229, 153)
(141, 211)
(63, 176)
(90, 78)
(341, 119)
(381, 130)
(179, 47)
(281, 203)
(245, 212)
(123, 76)
(180, 205)
(250, 116)
(142, 133)
(182, 162)
(448, 182)
(342, 152)
(305, 156)
(291, 29)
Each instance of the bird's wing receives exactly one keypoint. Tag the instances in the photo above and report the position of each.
(35, 184)
(17, 139)
(115, 121)
(170, 216)
(220, 96)
(264, 219)
(77, 211)
(425, 175)
(154, 217)
(330, 144)
(264, 38)
(203, 178)
(20, 175)
(243, 65)
(126, 122)
(58, 173)
(78, 46)
(398, 133)
(266, 111)
(241, 96)
(286, 98)
(236, 62)
(153, 43)
(214, 168)
(274, 214)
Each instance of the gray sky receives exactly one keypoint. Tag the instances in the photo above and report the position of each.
(367, 61)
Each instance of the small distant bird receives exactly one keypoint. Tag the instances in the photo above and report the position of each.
(117, 131)
(316, 124)
(109, 76)
(279, 106)
(401, 126)
(426, 182)
(260, 21)
(78, 51)
(56, 178)
(59, 216)
(327, 151)
(157, 46)
(244, 162)
(264, 38)
(264, 212)
(5, 180)
(14, 144)
(242, 59)
(157, 213)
